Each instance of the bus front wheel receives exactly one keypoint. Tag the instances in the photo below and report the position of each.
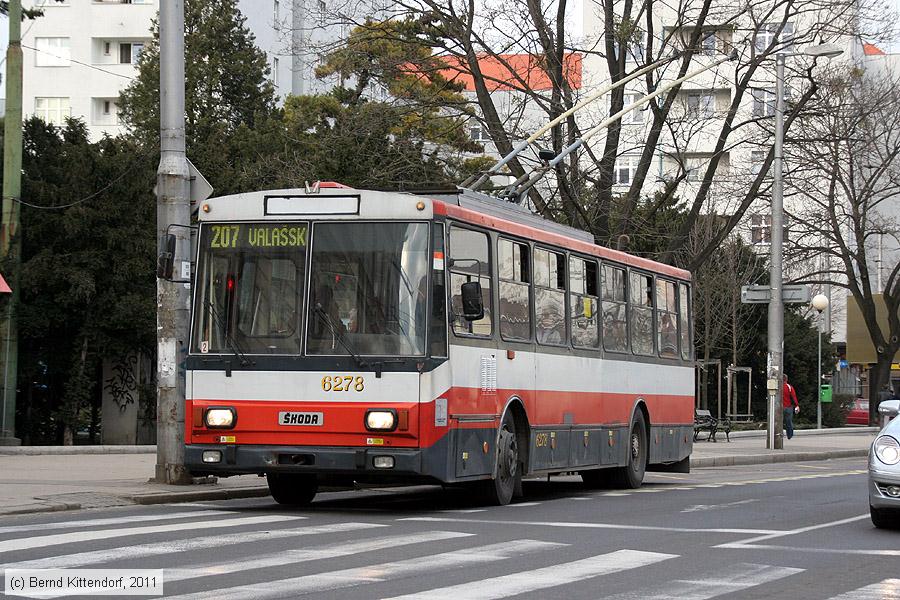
(632, 474)
(500, 489)
(296, 489)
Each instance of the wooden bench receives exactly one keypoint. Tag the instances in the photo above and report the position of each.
(704, 421)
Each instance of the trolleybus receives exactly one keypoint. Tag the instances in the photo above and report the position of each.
(343, 335)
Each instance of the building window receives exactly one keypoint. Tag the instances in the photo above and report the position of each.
(478, 132)
(636, 48)
(701, 104)
(626, 169)
(276, 12)
(761, 229)
(763, 103)
(694, 167)
(709, 43)
(275, 71)
(757, 158)
(130, 52)
(52, 52)
(52, 110)
(107, 48)
(636, 116)
(768, 35)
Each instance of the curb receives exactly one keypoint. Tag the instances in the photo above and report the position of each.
(193, 496)
(67, 450)
(811, 432)
(762, 459)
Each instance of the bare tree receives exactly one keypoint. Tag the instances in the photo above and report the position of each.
(847, 178)
(467, 35)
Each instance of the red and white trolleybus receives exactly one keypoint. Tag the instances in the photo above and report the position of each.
(350, 335)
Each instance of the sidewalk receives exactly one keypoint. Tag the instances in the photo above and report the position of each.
(58, 479)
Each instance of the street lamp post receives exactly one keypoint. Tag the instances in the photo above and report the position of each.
(820, 303)
(776, 235)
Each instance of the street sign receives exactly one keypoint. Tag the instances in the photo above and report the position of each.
(761, 294)
(200, 187)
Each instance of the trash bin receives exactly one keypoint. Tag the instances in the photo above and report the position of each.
(826, 393)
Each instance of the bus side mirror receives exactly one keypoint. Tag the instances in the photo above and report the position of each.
(472, 301)
(165, 262)
(887, 408)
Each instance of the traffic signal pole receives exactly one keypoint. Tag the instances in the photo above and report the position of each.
(172, 216)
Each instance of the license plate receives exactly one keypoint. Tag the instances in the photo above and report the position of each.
(309, 419)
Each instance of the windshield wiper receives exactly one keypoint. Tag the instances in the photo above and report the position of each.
(230, 342)
(339, 336)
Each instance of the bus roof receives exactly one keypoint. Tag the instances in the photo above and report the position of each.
(481, 209)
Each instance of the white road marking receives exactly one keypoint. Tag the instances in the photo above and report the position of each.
(579, 498)
(345, 578)
(521, 504)
(114, 521)
(889, 589)
(703, 507)
(855, 551)
(524, 582)
(741, 576)
(95, 557)
(464, 510)
(286, 557)
(104, 534)
(613, 494)
(591, 525)
(779, 534)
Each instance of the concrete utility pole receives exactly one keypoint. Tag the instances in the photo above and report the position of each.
(10, 235)
(173, 299)
(776, 303)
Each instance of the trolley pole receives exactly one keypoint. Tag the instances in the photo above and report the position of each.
(10, 234)
(172, 208)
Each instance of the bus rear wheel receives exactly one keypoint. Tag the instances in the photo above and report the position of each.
(293, 489)
(632, 474)
(500, 489)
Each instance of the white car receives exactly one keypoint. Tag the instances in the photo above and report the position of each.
(884, 470)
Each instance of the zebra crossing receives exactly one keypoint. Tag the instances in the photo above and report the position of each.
(295, 555)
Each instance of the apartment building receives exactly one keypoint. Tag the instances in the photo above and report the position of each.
(82, 53)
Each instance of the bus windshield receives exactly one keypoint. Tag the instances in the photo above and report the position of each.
(368, 289)
(249, 288)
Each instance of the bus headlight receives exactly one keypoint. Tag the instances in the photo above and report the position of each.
(887, 449)
(220, 418)
(381, 420)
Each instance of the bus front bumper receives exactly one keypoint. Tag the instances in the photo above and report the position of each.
(225, 460)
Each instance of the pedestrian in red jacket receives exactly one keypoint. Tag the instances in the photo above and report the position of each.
(791, 405)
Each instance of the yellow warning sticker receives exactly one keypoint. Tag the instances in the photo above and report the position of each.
(227, 439)
(375, 441)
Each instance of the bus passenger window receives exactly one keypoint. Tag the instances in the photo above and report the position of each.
(666, 319)
(515, 304)
(469, 261)
(583, 303)
(684, 318)
(550, 297)
(640, 314)
(615, 330)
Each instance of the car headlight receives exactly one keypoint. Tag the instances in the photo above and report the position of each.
(887, 449)
(381, 420)
(220, 418)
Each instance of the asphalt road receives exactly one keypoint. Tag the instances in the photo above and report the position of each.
(793, 530)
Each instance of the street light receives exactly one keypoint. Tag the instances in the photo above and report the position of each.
(776, 304)
(820, 303)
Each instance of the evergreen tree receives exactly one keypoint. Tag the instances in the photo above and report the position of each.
(227, 92)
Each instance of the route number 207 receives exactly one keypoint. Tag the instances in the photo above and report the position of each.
(342, 383)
